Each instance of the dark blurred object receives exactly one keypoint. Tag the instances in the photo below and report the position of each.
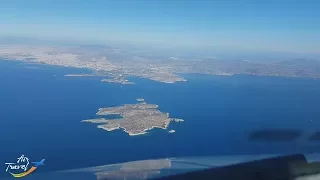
(275, 135)
(315, 137)
(279, 168)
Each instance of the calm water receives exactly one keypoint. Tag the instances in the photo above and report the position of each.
(41, 110)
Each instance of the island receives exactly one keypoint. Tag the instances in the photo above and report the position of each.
(140, 100)
(79, 75)
(177, 120)
(117, 80)
(109, 79)
(136, 119)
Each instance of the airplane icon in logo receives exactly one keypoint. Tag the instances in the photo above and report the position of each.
(40, 163)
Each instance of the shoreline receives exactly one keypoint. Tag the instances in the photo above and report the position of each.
(26, 61)
(144, 131)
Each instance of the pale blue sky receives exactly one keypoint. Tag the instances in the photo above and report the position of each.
(251, 25)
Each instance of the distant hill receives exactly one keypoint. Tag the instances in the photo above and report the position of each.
(311, 64)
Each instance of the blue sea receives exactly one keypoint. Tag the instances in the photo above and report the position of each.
(41, 110)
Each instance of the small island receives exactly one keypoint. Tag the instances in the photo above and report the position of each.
(140, 100)
(177, 120)
(172, 131)
(136, 119)
(80, 75)
(117, 80)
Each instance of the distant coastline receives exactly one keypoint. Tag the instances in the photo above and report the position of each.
(166, 71)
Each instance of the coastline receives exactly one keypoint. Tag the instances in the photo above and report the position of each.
(144, 131)
(161, 119)
(148, 129)
(134, 134)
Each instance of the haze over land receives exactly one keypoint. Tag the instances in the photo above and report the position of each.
(117, 64)
(159, 40)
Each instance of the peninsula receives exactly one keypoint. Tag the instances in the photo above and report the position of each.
(136, 119)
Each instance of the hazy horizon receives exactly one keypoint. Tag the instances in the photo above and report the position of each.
(156, 52)
(283, 27)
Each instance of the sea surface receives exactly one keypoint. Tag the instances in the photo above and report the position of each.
(41, 110)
